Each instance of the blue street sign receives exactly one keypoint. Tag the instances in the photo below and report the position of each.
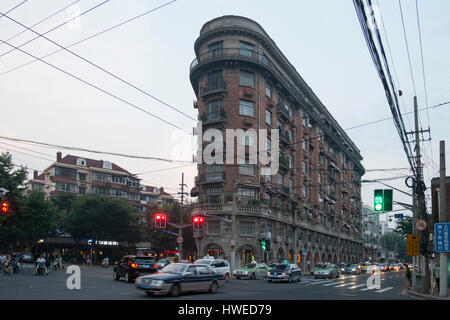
(304, 252)
(398, 215)
(442, 237)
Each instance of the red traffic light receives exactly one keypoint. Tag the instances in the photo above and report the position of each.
(5, 206)
(198, 222)
(158, 216)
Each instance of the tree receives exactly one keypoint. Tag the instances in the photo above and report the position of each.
(393, 241)
(404, 226)
(108, 219)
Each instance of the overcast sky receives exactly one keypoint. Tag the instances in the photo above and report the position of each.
(322, 40)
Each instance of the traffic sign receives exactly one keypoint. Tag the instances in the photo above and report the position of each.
(398, 215)
(421, 225)
(304, 252)
(412, 245)
(179, 240)
(441, 237)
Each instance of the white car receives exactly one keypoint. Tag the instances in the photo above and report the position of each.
(221, 266)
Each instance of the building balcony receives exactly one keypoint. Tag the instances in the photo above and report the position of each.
(217, 87)
(283, 112)
(284, 138)
(213, 177)
(219, 116)
(212, 57)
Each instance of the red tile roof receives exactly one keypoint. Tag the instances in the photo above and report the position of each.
(70, 159)
(40, 177)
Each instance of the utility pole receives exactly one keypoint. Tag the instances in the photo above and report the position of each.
(180, 228)
(443, 262)
(420, 209)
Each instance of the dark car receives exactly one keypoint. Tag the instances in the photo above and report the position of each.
(285, 272)
(177, 278)
(130, 267)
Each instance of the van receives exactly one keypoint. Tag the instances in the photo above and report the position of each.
(221, 266)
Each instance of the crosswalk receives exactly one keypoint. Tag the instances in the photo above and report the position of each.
(341, 284)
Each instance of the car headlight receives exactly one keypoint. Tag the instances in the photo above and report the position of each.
(245, 272)
(354, 269)
(157, 282)
(268, 273)
(284, 274)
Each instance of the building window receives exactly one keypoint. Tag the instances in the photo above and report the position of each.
(246, 194)
(291, 185)
(268, 117)
(304, 167)
(101, 176)
(246, 49)
(268, 145)
(265, 60)
(119, 180)
(246, 108)
(246, 228)
(213, 227)
(320, 177)
(101, 190)
(280, 179)
(291, 161)
(215, 80)
(214, 108)
(135, 196)
(304, 191)
(82, 176)
(247, 79)
(268, 174)
(304, 145)
(305, 121)
(214, 172)
(215, 49)
(212, 195)
(81, 190)
(37, 187)
(65, 172)
(66, 187)
(247, 169)
(268, 90)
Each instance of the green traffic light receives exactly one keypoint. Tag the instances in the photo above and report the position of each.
(378, 200)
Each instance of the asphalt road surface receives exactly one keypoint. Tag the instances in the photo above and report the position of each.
(97, 284)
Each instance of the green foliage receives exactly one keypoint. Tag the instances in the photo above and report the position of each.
(404, 226)
(109, 219)
(34, 219)
(393, 241)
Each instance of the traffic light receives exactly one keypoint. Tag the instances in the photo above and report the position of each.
(387, 196)
(160, 220)
(378, 200)
(383, 200)
(5, 207)
(263, 245)
(268, 245)
(198, 222)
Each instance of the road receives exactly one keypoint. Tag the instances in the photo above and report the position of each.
(98, 284)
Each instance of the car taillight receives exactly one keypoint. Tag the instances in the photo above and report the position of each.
(155, 265)
(134, 265)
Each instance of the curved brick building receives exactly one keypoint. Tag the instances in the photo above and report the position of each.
(310, 209)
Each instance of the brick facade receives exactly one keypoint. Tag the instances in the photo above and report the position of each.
(243, 81)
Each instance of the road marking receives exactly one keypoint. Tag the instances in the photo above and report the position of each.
(358, 286)
(319, 282)
(367, 289)
(385, 289)
(332, 284)
(344, 285)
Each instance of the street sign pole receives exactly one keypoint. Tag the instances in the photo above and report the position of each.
(443, 261)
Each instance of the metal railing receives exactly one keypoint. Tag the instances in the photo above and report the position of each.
(214, 86)
(252, 56)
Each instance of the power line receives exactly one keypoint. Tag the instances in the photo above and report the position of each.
(101, 68)
(98, 88)
(93, 151)
(44, 154)
(45, 19)
(407, 47)
(85, 39)
(54, 28)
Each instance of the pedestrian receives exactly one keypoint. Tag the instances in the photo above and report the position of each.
(437, 275)
(407, 276)
(88, 259)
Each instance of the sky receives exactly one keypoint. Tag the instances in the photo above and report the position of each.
(322, 39)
